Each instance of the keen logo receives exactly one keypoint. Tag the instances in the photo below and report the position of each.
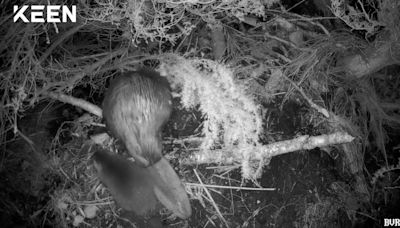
(53, 13)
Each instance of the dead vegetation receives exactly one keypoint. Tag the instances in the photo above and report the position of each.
(251, 79)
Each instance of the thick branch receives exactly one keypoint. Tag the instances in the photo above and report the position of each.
(301, 143)
(92, 108)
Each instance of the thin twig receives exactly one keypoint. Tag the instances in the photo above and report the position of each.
(320, 109)
(59, 41)
(211, 199)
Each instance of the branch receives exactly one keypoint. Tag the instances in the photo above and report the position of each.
(59, 41)
(92, 108)
(301, 143)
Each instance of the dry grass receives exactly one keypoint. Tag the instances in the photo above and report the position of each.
(112, 37)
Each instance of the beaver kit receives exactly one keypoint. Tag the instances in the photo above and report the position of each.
(136, 107)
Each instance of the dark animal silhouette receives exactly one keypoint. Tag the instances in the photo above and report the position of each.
(131, 186)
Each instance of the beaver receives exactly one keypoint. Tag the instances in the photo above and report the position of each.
(136, 107)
